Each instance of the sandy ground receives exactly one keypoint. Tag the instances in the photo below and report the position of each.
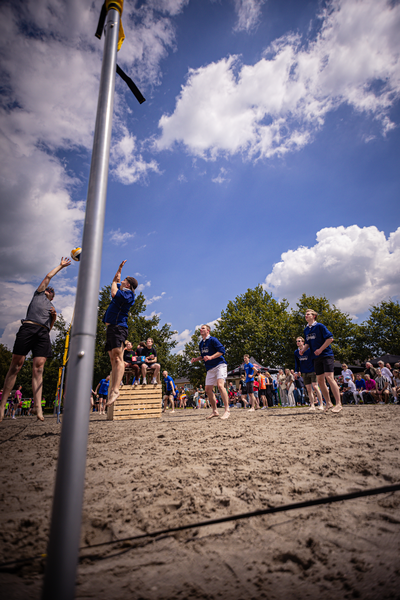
(148, 475)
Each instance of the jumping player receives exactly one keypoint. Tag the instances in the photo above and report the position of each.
(212, 353)
(304, 364)
(34, 335)
(319, 340)
(170, 389)
(116, 319)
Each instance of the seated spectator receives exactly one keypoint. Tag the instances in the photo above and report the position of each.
(360, 386)
(396, 385)
(346, 372)
(370, 387)
(150, 361)
(385, 371)
(381, 393)
(350, 392)
(369, 370)
(130, 360)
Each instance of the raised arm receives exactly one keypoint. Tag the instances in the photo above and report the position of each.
(117, 279)
(65, 262)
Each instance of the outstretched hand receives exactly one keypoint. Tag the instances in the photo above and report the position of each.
(65, 262)
(121, 265)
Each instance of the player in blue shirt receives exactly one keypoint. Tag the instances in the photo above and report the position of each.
(304, 364)
(319, 340)
(101, 392)
(170, 390)
(212, 353)
(116, 319)
(249, 370)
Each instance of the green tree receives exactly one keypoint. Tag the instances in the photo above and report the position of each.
(347, 334)
(5, 361)
(381, 331)
(255, 324)
(196, 371)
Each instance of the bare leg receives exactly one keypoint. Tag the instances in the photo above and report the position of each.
(212, 401)
(252, 402)
(144, 371)
(37, 384)
(16, 365)
(117, 368)
(224, 396)
(335, 391)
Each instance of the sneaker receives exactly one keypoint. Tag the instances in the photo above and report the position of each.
(144, 382)
(154, 381)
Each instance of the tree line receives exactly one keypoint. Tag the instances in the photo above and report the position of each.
(253, 323)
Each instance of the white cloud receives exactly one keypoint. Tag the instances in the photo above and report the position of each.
(154, 299)
(142, 286)
(277, 105)
(119, 238)
(353, 267)
(221, 176)
(128, 165)
(249, 13)
(181, 339)
(153, 314)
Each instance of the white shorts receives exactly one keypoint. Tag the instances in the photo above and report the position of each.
(218, 372)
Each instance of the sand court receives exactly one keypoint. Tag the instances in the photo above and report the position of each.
(149, 475)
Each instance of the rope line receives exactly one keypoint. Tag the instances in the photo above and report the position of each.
(256, 513)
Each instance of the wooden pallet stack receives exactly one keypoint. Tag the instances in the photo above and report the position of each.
(140, 402)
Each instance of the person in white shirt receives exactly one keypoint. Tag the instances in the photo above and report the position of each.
(346, 372)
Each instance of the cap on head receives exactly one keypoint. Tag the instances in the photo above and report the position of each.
(132, 282)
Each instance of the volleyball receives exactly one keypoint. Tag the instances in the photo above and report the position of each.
(76, 254)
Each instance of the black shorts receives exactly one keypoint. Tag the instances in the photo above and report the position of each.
(115, 337)
(262, 392)
(324, 364)
(33, 338)
(309, 378)
(249, 387)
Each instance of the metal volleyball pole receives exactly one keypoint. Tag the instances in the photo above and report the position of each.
(63, 548)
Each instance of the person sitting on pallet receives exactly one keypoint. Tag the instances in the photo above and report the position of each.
(131, 366)
(150, 361)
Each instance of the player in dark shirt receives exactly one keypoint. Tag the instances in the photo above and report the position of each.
(34, 335)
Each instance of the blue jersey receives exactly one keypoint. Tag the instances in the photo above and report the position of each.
(103, 388)
(304, 363)
(249, 372)
(360, 384)
(315, 336)
(118, 309)
(210, 346)
(169, 383)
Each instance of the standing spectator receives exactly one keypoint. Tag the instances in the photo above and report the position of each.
(319, 339)
(290, 387)
(243, 391)
(304, 364)
(269, 389)
(262, 390)
(275, 392)
(169, 391)
(298, 389)
(256, 388)
(249, 369)
(346, 372)
(101, 393)
(282, 387)
(16, 401)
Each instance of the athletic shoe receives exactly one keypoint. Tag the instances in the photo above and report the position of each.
(154, 381)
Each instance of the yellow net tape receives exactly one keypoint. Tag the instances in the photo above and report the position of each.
(119, 6)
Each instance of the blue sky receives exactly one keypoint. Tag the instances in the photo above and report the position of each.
(267, 152)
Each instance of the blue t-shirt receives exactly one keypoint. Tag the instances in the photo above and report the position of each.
(360, 384)
(169, 382)
(210, 346)
(249, 369)
(304, 363)
(103, 388)
(315, 336)
(118, 309)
